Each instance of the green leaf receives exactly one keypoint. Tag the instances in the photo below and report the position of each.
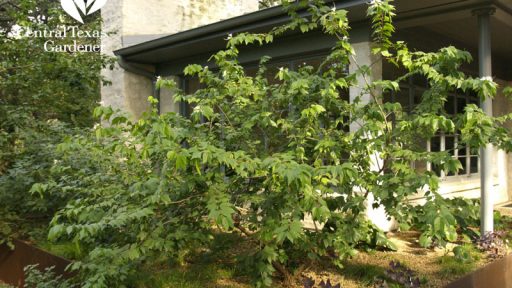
(220, 208)
(55, 232)
(425, 240)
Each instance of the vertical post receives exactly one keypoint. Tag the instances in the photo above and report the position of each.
(365, 57)
(485, 67)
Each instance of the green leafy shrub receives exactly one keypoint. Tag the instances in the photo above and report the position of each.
(43, 96)
(63, 86)
(443, 220)
(465, 253)
(463, 260)
(30, 163)
(35, 278)
(258, 158)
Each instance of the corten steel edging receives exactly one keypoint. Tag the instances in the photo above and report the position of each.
(495, 275)
(12, 262)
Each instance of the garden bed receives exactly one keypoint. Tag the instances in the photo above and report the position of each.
(216, 267)
(218, 264)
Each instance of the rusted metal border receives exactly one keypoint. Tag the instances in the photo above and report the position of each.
(12, 262)
(495, 275)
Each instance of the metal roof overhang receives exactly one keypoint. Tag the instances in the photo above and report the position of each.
(212, 37)
(449, 19)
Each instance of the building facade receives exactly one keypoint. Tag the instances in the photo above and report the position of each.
(161, 39)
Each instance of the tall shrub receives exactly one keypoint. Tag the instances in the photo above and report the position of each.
(258, 157)
(43, 97)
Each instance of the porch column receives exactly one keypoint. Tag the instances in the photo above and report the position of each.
(486, 165)
(365, 57)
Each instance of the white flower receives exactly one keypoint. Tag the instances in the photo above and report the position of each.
(158, 78)
(374, 2)
(102, 103)
(230, 36)
(333, 9)
(281, 68)
(345, 38)
(488, 78)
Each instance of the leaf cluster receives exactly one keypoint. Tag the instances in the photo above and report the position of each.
(45, 278)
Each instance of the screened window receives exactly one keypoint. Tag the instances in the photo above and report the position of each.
(409, 96)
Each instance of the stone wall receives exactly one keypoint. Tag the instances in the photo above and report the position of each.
(112, 95)
(168, 17)
(131, 19)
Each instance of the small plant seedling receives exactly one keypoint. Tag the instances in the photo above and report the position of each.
(493, 244)
(310, 283)
(399, 273)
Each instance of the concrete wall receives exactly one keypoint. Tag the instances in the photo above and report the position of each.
(501, 106)
(133, 19)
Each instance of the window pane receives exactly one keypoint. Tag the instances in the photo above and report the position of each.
(462, 150)
(474, 165)
(420, 166)
(418, 94)
(450, 144)
(191, 86)
(461, 104)
(462, 171)
(473, 98)
(388, 97)
(419, 80)
(436, 169)
(435, 144)
(391, 72)
(402, 97)
(449, 105)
